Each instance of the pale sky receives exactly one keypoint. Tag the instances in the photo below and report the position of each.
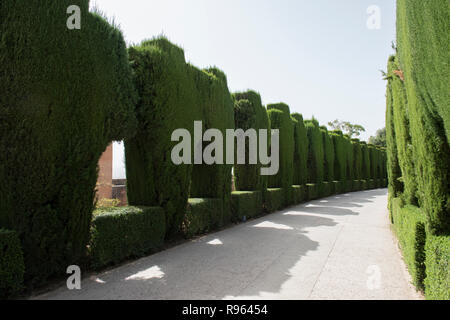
(318, 56)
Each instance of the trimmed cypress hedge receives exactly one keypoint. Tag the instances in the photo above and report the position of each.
(217, 107)
(125, 232)
(316, 152)
(298, 194)
(300, 151)
(167, 102)
(11, 264)
(365, 160)
(246, 204)
(66, 94)
(202, 215)
(313, 191)
(340, 158)
(280, 119)
(328, 150)
(409, 225)
(274, 200)
(357, 159)
(437, 263)
(349, 155)
(423, 42)
(250, 113)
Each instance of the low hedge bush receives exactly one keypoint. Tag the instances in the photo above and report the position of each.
(437, 262)
(246, 204)
(299, 194)
(356, 185)
(409, 225)
(325, 189)
(11, 264)
(338, 187)
(202, 215)
(125, 232)
(313, 191)
(274, 200)
(364, 185)
(348, 185)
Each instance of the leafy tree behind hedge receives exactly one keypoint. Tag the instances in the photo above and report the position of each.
(167, 102)
(66, 94)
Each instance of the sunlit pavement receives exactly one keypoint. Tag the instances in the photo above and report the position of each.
(340, 247)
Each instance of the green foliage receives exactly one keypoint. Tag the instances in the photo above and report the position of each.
(423, 44)
(357, 160)
(217, 107)
(202, 215)
(437, 282)
(365, 160)
(379, 139)
(373, 161)
(249, 113)
(349, 155)
(328, 149)
(65, 95)
(300, 151)
(298, 194)
(316, 152)
(274, 200)
(167, 102)
(246, 204)
(340, 156)
(11, 264)
(312, 190)
(280, 119)
(351, 130)
(409, 225)
(125, 232)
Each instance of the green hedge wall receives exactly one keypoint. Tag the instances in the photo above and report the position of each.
(202, 215)
(217, 107)
(437, 263)
(65, 95)
(316, 152)
(365, 160)
(280, 118)
(422, 43)
(409, 226)
(340, 158)
(246, 204)
(349, 156)
(250, 113)
(125, 232)
(298, 194)
(357, 160)
(300, 151)
(12, 266)
(167, 102)
(274, 200)
(328, 150)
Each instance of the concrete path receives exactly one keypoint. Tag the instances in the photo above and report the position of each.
(340, 247)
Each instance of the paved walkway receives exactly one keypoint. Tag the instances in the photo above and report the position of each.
(340, 247)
